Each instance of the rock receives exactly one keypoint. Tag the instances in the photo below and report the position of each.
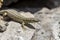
(53, 3)
(56, 25)
(15, 32)
(43, 35)
(50, 23)
(56, 13)
(44, 27)
(47, 29)
(8, 2)
(2, 25)
(44, 10)
(44, 15)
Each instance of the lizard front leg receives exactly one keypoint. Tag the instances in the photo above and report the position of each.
(23, 26)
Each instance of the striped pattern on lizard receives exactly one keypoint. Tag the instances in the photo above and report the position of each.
(13, 14)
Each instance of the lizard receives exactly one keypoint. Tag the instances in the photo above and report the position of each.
(13, 14)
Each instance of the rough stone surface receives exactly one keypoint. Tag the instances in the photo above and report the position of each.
(15, 32)
(2, 24)
(50, 23)
(46, 21)
(56, 27)
(47, 29)
(8, 2)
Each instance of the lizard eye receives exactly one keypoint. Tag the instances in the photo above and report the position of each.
(4, 13)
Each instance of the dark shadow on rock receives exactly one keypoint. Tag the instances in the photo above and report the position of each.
(30, 5)
(2, 29)
(27, 5)
(29, 26)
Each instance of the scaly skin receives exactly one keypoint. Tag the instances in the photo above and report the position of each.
(13, 14)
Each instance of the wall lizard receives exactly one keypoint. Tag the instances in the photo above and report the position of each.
(13, 14)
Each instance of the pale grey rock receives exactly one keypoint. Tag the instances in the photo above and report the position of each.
(56, 13)
(50, 22)
(43, 35)
(56, 25)
(45, 32)
(14, 31)
(47, 29)
(56, 30)
(2, 24)
(44, 15)
(46, 23)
